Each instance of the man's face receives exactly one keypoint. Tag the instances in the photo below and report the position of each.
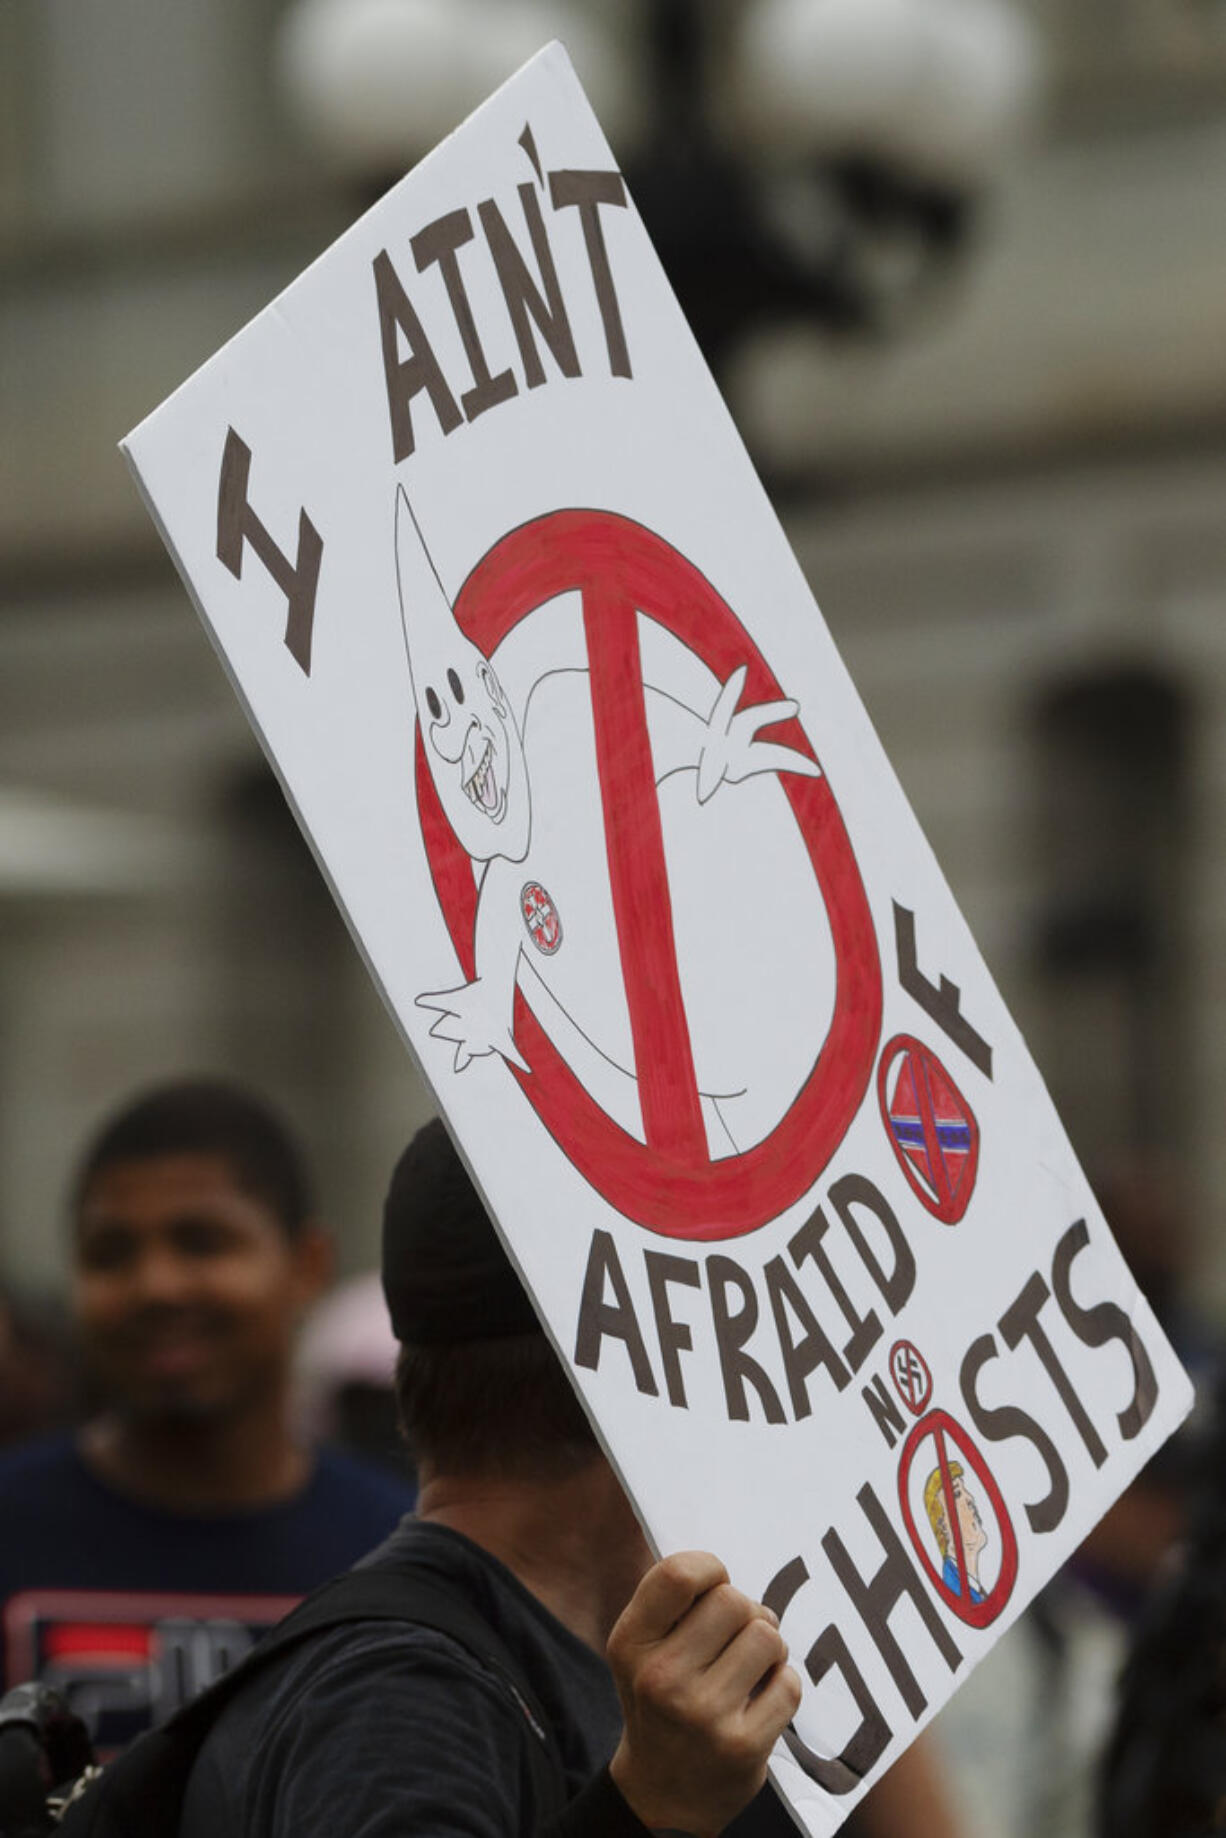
(186, 1288)
(974, 1537)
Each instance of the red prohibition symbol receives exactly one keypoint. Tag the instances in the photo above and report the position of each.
(670, 1183)
(931, 1126)
(912, 1379)
(953, 1493)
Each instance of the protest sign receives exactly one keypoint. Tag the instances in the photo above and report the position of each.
(490, 569)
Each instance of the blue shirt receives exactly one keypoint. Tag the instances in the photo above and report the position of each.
(131, 1609)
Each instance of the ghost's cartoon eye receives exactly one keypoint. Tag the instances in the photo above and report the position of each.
(457, 688)
(433, 704)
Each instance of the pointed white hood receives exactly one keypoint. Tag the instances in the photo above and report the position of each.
(471, 738)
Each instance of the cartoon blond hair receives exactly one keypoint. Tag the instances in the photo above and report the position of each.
(934, 1505)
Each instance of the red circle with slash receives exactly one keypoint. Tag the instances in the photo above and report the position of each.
(932, 1128)
(943, 1431)
(670, 1183)
(911, 1376)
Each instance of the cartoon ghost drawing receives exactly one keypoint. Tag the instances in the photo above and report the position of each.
(515, 770)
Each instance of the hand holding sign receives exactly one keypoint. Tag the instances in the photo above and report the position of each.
(706, 1692)
(732, 752)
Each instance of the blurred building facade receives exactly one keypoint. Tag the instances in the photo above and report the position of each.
(1011, 515)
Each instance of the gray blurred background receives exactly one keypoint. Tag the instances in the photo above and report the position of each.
(975, 339)
(997, 439)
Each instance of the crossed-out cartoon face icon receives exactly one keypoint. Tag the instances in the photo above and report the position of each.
(472, 742)
(972, 1534)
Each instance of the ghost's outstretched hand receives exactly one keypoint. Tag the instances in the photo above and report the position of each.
(467, 1017)
(731, 750)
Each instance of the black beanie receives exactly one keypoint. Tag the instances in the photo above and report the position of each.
(445, 1274)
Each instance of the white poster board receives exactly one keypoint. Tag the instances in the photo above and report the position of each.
(493, 576)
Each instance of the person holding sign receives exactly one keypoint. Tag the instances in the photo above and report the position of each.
(390, 1727)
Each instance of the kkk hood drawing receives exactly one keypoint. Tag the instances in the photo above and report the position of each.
(472, 741)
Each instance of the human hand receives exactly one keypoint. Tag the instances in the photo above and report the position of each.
(706, 1692)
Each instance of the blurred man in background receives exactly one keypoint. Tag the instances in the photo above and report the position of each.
(143, 1553)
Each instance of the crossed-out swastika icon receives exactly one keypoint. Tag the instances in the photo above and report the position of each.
(912, 1379)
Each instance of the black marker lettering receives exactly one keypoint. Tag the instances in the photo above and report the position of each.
(405, 377)
(674, 1336)
(1104, 1322)
(839, 1773)
(731, 1333)
(525, 302)
(237, 524)
(999, 1423)
(527, 141)
(856, 1190)
(589, 190)
(1021, 1321)
(876, 1599)
(616, 1319)
(439, 242)
(813, 1349)
(941, 1003)
(865, 1329)
(883, 1410)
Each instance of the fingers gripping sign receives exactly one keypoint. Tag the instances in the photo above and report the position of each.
(706, 1693)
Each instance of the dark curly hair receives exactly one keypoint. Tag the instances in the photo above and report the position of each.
(206, 1116)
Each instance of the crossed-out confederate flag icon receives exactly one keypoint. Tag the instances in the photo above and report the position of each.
(931, 1126)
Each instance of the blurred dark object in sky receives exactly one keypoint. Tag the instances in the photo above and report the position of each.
(791, 162)
(851, 241)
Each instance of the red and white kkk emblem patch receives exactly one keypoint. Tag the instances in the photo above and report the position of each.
(540, 917)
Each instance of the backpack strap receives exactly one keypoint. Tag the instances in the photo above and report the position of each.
(142, 1790)
(398, 1592)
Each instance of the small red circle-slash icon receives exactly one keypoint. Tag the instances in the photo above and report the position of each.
(540, 917)
(932, 1128)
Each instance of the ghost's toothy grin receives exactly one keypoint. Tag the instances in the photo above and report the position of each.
(480, 788)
